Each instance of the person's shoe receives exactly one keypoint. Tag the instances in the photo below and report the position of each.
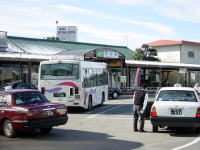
(136, 130)
(141, 131)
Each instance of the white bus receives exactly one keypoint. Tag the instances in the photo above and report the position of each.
(74, 83)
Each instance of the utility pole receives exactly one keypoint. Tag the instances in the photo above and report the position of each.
(56, 28)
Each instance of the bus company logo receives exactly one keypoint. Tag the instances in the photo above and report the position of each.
(53, 90)
(91, 91)
(72, 84)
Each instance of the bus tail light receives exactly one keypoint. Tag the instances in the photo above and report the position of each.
(43, 90)
(153, 111)
(198, 112)
(76, 90)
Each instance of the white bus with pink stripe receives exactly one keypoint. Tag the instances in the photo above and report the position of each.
(74, 83)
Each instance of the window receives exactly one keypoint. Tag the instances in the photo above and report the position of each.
(29, 98)
(191, 54)
(71, 91)
(97, 77)
(2, 100)
(60, 71)
(177, 95)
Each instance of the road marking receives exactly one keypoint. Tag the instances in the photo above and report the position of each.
(93, 116)
(103, 118)
(98, 109)
(188, 144)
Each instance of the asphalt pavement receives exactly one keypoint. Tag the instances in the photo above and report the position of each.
(107, 127)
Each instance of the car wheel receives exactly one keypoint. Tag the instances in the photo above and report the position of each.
(155, 128)
(8, 129)
(115, 95)
(90, 104)
(45, 130)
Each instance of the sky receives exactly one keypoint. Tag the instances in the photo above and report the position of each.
(115, 22)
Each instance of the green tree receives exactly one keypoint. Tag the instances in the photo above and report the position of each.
(138, 55)
(145, 53)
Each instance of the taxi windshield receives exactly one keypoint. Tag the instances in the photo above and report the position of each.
(29, 98)
(177, 95)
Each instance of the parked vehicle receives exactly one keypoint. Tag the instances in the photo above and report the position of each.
(152, 90)
(19, 85)
(176, 107)
(74, 83)
(129, 90)
(113, 92)
(23, 110)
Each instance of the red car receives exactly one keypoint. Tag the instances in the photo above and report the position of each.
(22, 110)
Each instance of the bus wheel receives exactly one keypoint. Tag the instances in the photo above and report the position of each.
(103, 98)
(90, 103)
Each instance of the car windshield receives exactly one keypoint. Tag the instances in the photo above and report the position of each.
(177, 95)
(29, 98)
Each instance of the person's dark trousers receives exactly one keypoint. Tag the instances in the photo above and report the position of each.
(138, 117)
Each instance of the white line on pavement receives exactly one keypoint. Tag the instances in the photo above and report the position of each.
(93, 116)
(113, 118)
(188, 144)
(97, 109)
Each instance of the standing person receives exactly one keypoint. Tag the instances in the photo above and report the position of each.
(139, 104)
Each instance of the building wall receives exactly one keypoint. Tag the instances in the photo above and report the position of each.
(185, 50)
(169, 53)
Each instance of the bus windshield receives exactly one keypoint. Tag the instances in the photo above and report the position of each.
(61, 71)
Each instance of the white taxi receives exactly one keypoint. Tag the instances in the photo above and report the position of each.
(175, 107)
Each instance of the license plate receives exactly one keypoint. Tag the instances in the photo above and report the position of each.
(59, 94)
(176, 111)
(48, 113)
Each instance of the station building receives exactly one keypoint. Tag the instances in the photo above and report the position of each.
(20, 58)
(179, 52)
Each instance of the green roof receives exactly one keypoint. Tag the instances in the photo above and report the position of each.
(48, 47)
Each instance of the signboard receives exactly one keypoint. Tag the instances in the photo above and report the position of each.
(3, 39)
(123, 79)
(107, 54)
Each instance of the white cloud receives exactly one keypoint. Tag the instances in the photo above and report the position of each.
(186, 10)
(116, 38)
(180, 9)
(161, 28)
(41, 23)
(133, 2)
(128, 2)
(74, 9)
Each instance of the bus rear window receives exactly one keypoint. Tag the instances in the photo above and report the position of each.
(61, 71)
